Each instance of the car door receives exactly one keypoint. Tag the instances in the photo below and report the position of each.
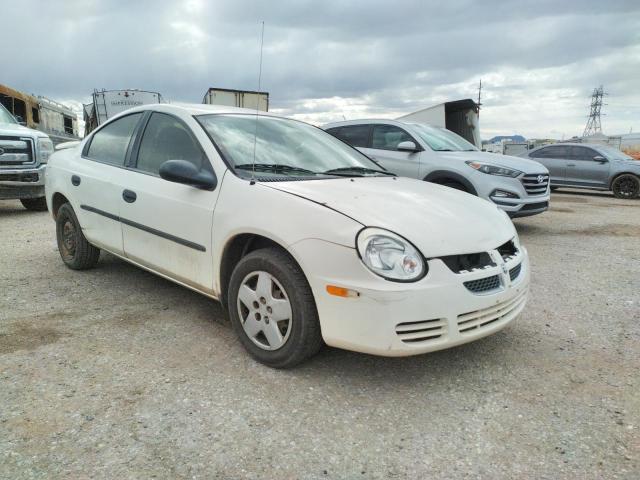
(95, 179)
(167, 226)
(586, 167)
(554, 157)
(384, 150)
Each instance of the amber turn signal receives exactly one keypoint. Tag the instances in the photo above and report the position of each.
(341, 291)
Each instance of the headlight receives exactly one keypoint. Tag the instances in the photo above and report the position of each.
(390, 256)
(494, 169)
(45, 149)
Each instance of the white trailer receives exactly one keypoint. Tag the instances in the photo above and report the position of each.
(237, 98)
(108, 103)
(459, 116)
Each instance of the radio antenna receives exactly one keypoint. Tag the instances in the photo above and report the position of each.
(255, 131)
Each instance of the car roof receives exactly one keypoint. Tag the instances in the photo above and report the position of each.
(364, 121)
(196, 109)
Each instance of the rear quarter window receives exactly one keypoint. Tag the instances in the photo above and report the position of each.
(110, 143)
(354, 135)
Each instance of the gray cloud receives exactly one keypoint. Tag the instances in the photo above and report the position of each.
(322, 60)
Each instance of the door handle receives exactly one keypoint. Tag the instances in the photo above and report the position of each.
(75, 180)
(129, 196)
(571, 164)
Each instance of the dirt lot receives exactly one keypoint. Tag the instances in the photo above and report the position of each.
(116, 373)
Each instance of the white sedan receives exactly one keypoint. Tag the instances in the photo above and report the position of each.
(303, 239)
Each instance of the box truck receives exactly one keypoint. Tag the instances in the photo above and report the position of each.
(237, 98)
(459, 116)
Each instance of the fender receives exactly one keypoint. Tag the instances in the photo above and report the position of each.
(438, 175)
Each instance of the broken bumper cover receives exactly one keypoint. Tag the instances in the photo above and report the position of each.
(22, 183)
(401, 319)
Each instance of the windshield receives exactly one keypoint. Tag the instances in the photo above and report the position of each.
(5, 116)
(614, 153)
(442, 140)
(284, 147)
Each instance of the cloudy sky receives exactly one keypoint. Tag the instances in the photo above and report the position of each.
(324, 60)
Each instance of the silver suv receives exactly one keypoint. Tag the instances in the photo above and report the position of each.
(591, 166)
(520, 187)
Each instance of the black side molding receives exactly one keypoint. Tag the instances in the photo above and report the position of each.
(144, 228)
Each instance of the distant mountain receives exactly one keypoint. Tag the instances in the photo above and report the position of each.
(513, 138)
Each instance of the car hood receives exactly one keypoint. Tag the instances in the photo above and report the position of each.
(523, 164)
(17, 130)
(438, 220)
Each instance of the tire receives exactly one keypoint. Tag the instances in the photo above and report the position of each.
(300, 337)
(34, 204)
(626, 186)
(76, 252)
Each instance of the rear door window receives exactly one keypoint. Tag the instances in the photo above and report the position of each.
(167, 138)
(110, 143)
(354, 135)
(554, 151)
(387, 137)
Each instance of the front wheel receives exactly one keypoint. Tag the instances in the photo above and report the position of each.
(34, 204)
(272, 309)
(76, 252)
(626, 186)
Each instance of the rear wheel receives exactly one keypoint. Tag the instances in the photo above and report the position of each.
(626, 186)
(272, 309)
(76, 252)
(34, 204)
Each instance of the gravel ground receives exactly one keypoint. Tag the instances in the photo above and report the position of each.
(117, 373)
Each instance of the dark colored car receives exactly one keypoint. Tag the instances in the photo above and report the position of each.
(591, 166)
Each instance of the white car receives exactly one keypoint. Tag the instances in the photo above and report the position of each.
(302, 238)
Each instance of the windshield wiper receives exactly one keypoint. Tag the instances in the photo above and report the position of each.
(273, 168)
(362, 170)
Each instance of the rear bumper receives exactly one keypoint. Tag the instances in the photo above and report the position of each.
(22, 183)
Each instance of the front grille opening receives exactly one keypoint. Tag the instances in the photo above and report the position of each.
(421, 330)
(534, 206)
(507, 250)
(515, 272)
(468, 262)
(483, 285)
(536, 184)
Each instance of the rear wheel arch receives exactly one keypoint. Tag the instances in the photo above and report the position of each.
(442, 177)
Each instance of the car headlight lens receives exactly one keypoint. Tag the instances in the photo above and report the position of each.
(45, 149)
(390, 256)
(494, 169)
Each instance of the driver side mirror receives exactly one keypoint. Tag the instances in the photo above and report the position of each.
(407, 147)
(20, 120)
(181, 171)
(600, 159)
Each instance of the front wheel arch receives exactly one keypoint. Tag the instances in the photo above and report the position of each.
(443, 176)
(235, 249)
